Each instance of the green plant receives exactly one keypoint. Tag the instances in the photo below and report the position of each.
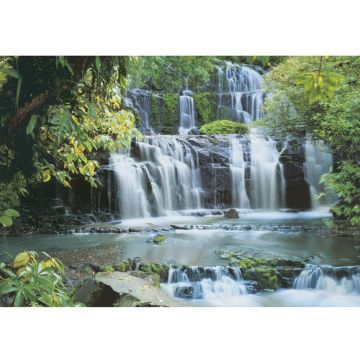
(30, 282)
(224, 127)
(6, 217)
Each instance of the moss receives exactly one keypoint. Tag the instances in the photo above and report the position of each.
(224, 127)
(206, 107)
(107, 268)
(159, 239)
(170, 111)
(247, 263)
(123, 266)
(156, 110)
(267, 278)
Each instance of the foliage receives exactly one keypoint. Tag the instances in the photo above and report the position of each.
(55, 114)
(206, 107)
(321, 96)
(170, 115)
(224, 127)
(6, 217)
(346, 184)
(171, 73)
(30, 282)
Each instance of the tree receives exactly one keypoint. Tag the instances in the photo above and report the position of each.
(55, 112)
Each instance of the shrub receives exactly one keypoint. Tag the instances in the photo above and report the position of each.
(224, 127)
(30, 282)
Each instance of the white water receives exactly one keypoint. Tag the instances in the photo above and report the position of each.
(237, 168)
(222, 286)
(187, 113)
(165, 177)
(318, 160)
(142, 102)
(207, 283)
(267, 176)
(130, 186)
(341, 280)
(244, 86)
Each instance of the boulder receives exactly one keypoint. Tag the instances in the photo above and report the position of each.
(231, 214)
(122, 290)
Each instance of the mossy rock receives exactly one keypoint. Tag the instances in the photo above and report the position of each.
(107, 268)
(160, 269)
(266, 277)
(224, 127)
(159, 239)
(123, 266)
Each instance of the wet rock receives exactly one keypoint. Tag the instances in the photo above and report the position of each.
(231, 214)
(184, 291)
(94, 293)
(158, 239)
(180, 227)
(134, 291)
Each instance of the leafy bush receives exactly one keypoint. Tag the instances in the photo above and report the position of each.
(224, 127)
(30, 282)
(346, 184)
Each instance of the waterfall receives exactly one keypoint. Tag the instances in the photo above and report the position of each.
(337, 280)
(187, 112)
(237, 169)
(142, 102)
(244, 88)
(318, 161)
(208, 282)
(267, 175)
(131, 186)
(165, 177)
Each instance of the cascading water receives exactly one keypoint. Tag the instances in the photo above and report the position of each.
(318, 160)
(208, 282)
(237, 168)
(131, 186)
(187, 112)
(243, 84)
(165, 177)
(335, 280)
(142, 102)
(267, 175)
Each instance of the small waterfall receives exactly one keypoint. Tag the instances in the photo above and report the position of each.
(165, 177)
(318, 161)
(208, 282)
(237, 168)
(336, 280)
(142, 102)
(267, 175)
(187, 112)
(244, 88)
(131, 186)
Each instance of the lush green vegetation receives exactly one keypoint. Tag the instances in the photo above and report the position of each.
(321, 96)
(224, 127)
(27, 281)
(56, 113)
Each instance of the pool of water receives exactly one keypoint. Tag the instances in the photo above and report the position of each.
(199, 247)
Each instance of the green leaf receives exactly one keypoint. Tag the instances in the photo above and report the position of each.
(98, 63)
(19, 299)
(31, 125)
(12, 213)
(18, 88)
(6, 220)
(46, 176)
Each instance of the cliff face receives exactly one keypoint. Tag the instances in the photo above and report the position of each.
(211, 156)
